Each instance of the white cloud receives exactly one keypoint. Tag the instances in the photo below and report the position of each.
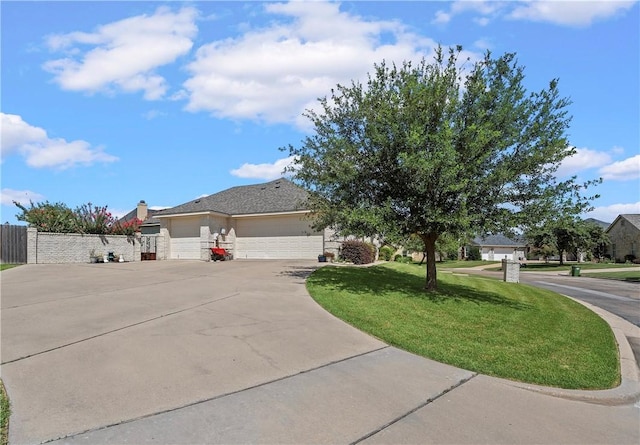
(22, 196)
(622, 170)
(486, 9)
(263, 171)
(564, 13)
(152, 114)
(609, 213)
(41, 151)
(571, 13)
(124, 54)
(584, 159)
(274, 73)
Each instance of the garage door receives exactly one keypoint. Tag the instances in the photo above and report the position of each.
(277, 238)
(185, 238)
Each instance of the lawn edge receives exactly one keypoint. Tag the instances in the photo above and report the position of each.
(627, 392)
(4, 426)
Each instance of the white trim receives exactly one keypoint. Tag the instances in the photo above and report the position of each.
(177, 215)
(255, 215)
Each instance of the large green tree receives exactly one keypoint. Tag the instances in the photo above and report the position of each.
(435, 148)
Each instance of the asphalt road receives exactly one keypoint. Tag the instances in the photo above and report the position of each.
(618, 297)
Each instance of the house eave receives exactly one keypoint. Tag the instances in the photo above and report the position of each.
(255, 215)
(202, 213)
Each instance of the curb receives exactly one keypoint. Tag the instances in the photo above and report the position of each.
(628, 391)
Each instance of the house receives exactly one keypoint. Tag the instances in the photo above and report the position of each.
(624, 233)
(260, 221)
(499, 247)
(150, 225)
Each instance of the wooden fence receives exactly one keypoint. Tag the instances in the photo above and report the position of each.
(13, 244)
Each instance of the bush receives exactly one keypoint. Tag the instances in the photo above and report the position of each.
(629, 258)
(358, 252)
(403, 259)
(474, 253)
(386, 253)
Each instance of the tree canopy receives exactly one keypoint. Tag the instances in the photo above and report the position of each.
(440, 147)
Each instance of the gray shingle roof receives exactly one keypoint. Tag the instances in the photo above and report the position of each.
(134, 214)
(497, 240)
(633, 218)
(276, 196)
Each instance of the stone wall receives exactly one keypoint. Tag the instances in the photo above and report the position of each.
(50, 248)
(625, 239)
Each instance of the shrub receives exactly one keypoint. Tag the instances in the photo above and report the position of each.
(358, 252)
(48, 217)
(629, 258)
(402, 259)
(474, 253)
(386, 253)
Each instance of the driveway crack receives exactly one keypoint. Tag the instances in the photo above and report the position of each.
(419, 407)
(122, 328)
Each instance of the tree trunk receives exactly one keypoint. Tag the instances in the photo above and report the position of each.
(430, 250)
(424, 256)
(561, 257)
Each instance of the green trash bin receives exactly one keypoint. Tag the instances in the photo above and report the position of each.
(575, 271)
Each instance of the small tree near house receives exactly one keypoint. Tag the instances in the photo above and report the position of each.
(434, 148)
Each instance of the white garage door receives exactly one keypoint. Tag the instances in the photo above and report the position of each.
(277, 238)
(185, 238)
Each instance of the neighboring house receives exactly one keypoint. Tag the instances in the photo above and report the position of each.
(499, 247)
(261, 221)
(150, 225)
(624, 233)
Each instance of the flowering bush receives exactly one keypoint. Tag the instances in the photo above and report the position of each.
(87, 218)
(94, 219)
(47, 217)
(126, 228)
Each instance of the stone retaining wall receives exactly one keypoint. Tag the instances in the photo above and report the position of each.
(49, 248)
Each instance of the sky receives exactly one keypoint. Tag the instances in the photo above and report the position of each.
(116, 102)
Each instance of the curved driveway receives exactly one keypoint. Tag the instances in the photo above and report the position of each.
(237, 352)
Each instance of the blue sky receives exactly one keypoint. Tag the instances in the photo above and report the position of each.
(114, 102)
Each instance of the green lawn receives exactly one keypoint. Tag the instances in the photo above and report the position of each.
(633, 276)
(507, 330)
(5, 411)
(7, 266)
(462, 264)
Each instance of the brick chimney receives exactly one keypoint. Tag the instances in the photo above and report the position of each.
(142, 210)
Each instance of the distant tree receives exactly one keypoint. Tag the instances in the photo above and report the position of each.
(447, 247)
(566, 235)
(432, 149)
(598, 240)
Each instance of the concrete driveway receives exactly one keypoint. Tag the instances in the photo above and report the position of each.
(237, 352)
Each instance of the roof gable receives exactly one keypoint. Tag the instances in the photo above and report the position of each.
(276, 196)
(632, 218)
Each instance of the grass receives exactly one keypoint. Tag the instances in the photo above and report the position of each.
(5, 411)
(4, 266)
(633, 276)
(507, 330)
(460, 264)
